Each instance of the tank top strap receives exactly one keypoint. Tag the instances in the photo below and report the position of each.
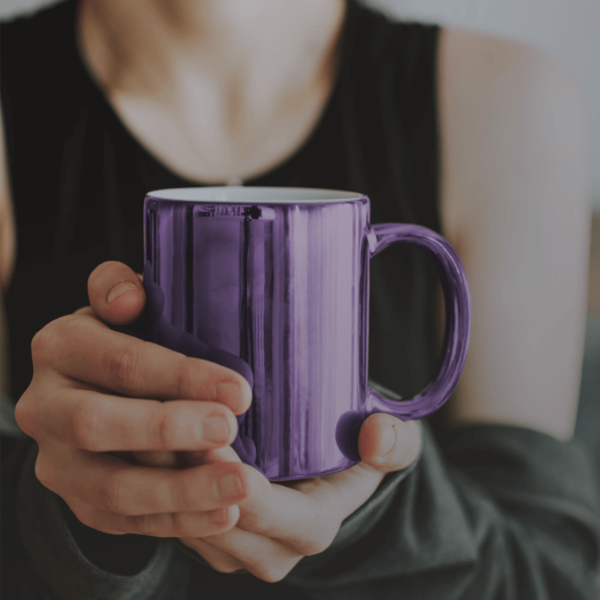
(389, 106)
(391, 144)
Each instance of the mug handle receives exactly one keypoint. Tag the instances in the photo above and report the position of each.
(457, 300)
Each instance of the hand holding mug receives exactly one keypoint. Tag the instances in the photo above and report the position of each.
(96, 391)
(281, 523)
(96, 395)
(278, 524)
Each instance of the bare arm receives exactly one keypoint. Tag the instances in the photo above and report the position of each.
(7, 259)
(515, 204)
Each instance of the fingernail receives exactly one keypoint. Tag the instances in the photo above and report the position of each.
(387, 441)
(119, 290)
(215, 429)
(218, 516)
(246, 392)
(230, 486)
(227, 393)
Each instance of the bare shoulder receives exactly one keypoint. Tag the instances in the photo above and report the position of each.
(499, 99)
(480, 59)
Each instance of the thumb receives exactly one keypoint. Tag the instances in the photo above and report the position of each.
(116, 293)
(388, 444)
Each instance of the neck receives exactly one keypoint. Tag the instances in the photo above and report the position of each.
(142, 44)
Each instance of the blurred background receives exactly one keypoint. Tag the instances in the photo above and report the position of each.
(565, 29)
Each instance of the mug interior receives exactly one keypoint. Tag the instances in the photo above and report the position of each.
(259, 195)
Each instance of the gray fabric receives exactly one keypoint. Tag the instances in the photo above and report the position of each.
(500, 513)
(587, 428)
(59, 563)
(503, 513)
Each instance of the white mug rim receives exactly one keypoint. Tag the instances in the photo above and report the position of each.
(254, 195)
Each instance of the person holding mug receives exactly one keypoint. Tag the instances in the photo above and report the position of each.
(126, 483)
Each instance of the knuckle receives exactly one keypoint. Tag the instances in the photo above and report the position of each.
(222, 566)
(25, 415)
(84, 517)
(320, 543)
(88, 516)
(142, 525)
(44, 343)
(256, 522)
(124, 368)
(85, 425)
(115, 496)
(183, 493)
(42, 472)
(167, 431)
(95, 522)
(274, 572)
(184, 380)
(179, 525)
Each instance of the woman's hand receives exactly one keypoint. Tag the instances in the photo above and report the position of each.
(95, 391)
(70, 411)
(280, 524)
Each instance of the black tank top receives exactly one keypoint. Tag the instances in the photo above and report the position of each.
(78, 178)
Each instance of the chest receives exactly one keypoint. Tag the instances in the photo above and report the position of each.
(214, 137)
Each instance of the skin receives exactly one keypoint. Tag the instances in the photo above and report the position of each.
(514, 186)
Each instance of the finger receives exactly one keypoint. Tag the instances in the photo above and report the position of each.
(222, 454)
(306, 516)
(114, 486)
(89, 311)
(198, 524)
(388, 444)
(217, 559)
(265, 558)
(116, 293)
(83, 348)
(158, 458)
(98, 422)
(302, 519)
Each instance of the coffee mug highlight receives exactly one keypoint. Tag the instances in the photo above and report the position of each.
(274, 284)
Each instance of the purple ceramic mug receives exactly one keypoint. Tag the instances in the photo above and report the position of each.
(274, 284)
